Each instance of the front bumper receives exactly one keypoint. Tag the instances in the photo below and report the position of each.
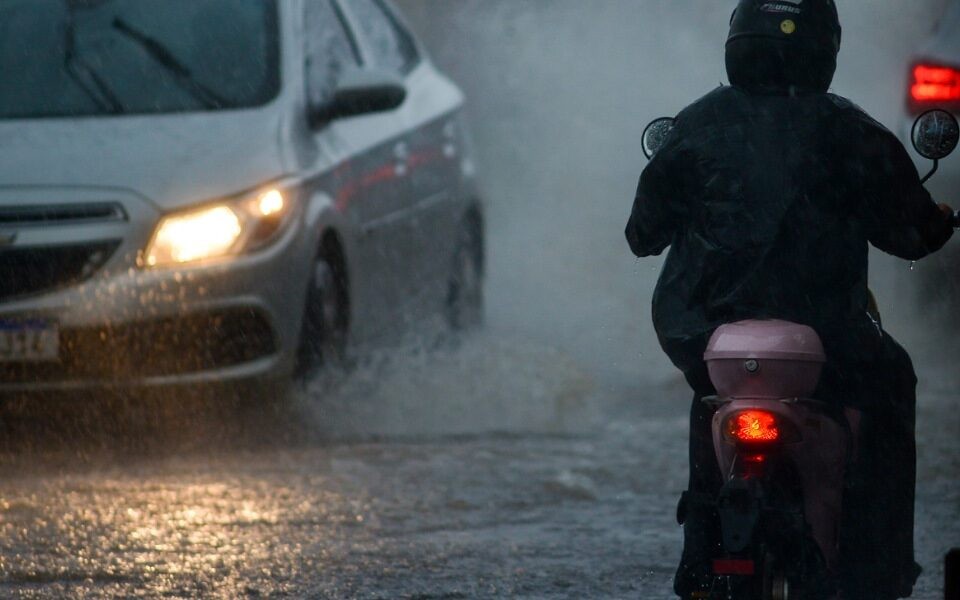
(127, 327)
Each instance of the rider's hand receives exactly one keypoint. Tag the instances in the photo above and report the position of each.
(953, 218)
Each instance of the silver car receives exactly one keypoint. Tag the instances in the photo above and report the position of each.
(215, 191)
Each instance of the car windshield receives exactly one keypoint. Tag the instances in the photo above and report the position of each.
(63, 58)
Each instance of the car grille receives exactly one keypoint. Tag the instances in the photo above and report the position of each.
(26, 271)
(169, 346)
(61, 214)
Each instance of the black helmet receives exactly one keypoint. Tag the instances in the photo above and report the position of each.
(784, 44)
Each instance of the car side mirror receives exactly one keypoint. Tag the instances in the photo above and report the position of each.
(655, 135)
(360, 92)
(935, 136)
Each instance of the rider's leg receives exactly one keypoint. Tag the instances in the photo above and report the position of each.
(701, 533)
(877, 532)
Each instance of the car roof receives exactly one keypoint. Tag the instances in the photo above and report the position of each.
(952, 12)
(944, 45)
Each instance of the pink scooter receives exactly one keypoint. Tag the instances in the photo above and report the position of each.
(783, 455)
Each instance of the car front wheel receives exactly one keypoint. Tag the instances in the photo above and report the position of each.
(323, 338)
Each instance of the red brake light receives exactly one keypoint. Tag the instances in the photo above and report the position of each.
(935, 84)
(754, 426)
(732, 566)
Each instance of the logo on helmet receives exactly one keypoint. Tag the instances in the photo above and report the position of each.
(783, 6)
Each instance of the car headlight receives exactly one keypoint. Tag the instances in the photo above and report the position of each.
(218, 230)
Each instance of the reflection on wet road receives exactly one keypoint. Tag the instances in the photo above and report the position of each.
(533, 503)
(474, 518)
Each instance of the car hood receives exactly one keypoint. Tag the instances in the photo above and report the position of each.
(171, 160)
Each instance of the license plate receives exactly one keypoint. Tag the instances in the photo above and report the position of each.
(28, 341)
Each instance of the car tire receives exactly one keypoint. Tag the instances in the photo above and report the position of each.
(323, 337)
(465, 295)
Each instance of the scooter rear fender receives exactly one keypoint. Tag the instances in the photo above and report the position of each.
(820, 456)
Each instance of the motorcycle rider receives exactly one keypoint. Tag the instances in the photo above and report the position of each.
(768, 192)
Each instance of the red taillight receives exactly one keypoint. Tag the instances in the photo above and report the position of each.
(731, 566)
(754, 426)
(934, 84)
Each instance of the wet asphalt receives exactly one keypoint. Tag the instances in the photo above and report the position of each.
(539, 484)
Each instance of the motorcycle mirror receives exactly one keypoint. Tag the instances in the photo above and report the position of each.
(656, 134)
(935, 134)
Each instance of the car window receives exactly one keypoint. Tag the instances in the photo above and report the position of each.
(391, 45)
(329, 50)
(61, 59)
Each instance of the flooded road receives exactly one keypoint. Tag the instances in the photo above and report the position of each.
(558, 492)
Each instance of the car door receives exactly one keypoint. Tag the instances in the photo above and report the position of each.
(369, 173)
(428, 149)
(436, 142)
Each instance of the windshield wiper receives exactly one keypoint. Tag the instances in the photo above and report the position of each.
(167, 60)
(76, 68)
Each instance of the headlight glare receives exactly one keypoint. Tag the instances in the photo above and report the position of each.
(268, 213)
(270, 203)
(218, 230)
(206, 233)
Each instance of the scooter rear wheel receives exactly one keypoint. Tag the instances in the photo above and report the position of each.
(780, 588)
(775, 583)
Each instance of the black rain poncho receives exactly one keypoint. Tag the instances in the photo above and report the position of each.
(768, 201)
